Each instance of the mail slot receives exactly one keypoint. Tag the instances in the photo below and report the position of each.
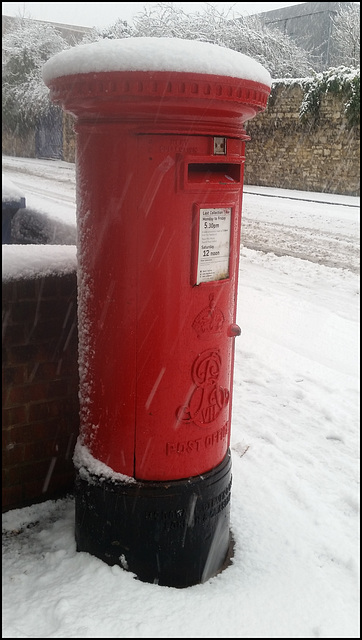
(160, 158)
(213, 173)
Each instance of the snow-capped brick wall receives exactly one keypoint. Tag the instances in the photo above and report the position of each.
(40, 387)
(284, 152)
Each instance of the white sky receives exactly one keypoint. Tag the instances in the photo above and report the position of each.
(294, 444)
(95, 14)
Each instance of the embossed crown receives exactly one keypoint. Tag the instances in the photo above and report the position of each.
(209, 321)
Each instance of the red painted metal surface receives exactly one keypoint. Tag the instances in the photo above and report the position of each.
(159, 217)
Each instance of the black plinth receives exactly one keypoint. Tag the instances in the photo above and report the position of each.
(168, 533)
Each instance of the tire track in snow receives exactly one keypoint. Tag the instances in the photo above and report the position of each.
(331, 250)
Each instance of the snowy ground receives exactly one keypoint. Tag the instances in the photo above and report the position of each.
(295, 449)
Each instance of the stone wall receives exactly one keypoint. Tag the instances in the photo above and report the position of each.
(68, 138)
(18, 146)
(312, 156)
(40, 388)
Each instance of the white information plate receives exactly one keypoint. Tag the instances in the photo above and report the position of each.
(214, 245)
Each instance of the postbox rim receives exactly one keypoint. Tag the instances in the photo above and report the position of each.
(130, 92)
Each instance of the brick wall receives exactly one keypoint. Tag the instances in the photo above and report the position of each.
(40, 388)
(18, 146)
(322, 156)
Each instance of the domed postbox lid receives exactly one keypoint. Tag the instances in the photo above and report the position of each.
(106, 77)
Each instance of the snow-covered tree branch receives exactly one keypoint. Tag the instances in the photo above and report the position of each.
(347, 35)
(24, 51)
(274, 50)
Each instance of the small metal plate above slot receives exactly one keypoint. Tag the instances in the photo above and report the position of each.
(219, 146)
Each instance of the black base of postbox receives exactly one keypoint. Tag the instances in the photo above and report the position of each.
(172, 533)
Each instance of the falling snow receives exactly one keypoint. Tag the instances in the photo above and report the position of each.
(294, 445)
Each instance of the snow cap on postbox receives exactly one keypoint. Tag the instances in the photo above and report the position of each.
(221, 74)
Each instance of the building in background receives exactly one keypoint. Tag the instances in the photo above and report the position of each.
(310, 26)
(72, 34)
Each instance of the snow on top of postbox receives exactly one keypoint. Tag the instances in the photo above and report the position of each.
(155, 54)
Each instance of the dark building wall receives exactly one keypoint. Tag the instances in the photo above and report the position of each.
(40, 388)
(310, 25)
(71, 33)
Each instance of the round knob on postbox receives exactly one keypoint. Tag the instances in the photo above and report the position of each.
(234, 330)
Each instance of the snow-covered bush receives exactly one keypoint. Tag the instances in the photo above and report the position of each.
(341, 80)
(119, 29)
(25, 49)
(248, 35)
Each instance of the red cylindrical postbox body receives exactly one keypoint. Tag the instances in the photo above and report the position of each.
(159, 166)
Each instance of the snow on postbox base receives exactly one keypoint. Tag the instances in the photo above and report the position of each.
(159, 166)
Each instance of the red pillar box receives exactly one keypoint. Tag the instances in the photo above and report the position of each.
(159, 166)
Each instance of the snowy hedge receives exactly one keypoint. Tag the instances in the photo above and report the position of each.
(341, 80)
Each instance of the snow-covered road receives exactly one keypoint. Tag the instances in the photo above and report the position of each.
(286, 223)
(303, 228)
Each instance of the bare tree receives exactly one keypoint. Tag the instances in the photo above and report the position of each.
(346, 35)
